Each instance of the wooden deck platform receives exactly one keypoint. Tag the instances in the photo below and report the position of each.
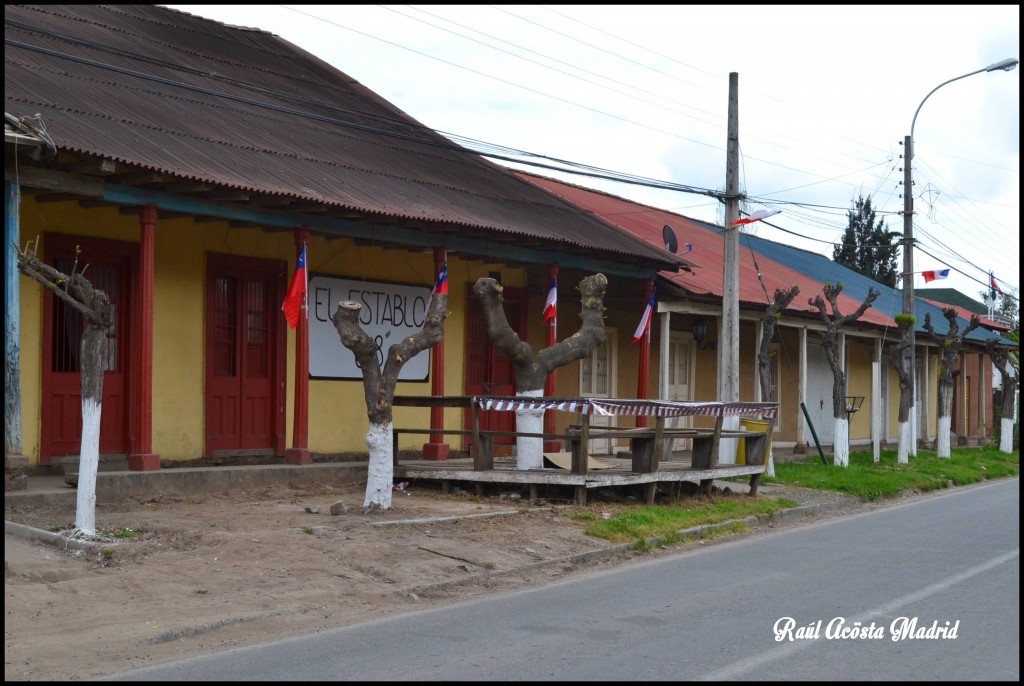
(645, 464)
(620, 474)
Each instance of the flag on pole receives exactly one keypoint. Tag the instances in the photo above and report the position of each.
(756, 217)
(934, 274)
(551, 305)
(994, 285)
(440, 286)
(645, 321)
(295, 300)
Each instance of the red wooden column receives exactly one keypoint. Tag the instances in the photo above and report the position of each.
(141, 457)
(549, 383)
(437, 449)
(644, 371)
(299, 452)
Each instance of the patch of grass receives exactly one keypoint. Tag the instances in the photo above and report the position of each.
(57, 527)
(583, 516)
(107, 553)
(646, 522)
(925, 472)
(309, 530)
(124, 532)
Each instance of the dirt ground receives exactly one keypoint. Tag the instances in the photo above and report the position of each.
(205, 574)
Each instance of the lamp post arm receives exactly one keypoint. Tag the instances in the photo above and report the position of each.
(1004, 65)
(914, 121)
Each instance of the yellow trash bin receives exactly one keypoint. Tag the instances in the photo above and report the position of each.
(748, 425)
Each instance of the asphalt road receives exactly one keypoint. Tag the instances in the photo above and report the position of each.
(949, 561)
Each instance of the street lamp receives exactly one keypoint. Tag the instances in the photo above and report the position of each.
(908, 234)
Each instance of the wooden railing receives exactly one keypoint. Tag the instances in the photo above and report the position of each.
(648, 445)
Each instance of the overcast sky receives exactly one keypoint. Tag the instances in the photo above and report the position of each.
(826, 96)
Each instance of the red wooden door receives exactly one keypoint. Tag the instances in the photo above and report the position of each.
(110, 266)
(488, 370)
(242, 370)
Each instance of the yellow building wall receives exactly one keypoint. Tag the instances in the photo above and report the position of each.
(858, 383)
(338, 420)
(35, 220)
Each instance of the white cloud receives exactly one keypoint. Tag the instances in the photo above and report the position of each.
(826, 95)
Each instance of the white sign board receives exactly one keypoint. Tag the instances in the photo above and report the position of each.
(390, 313)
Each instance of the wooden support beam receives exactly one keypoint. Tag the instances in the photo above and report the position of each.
(96, 167)
(48, 179)
(270, 200)
(188, 187)
(229, 194)
(141, 178)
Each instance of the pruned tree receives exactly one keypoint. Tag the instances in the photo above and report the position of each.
(829, 338)
(764, 360)
(76, 291)
(531, 370)
(379, 386)
(898, 357)
(949, 345)
(1008, 365)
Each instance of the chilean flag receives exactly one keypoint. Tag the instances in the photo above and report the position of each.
(440, 286)
(645, 321)
(551, 305)
(295, 300)
(995, 286)
(756, 217)
(934, 274)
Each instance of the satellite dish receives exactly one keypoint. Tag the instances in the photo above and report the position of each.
(671, 244)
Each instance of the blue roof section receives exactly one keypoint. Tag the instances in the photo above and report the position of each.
(855, 285)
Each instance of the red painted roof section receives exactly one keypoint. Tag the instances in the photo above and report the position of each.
(964, 313)
(707, 258)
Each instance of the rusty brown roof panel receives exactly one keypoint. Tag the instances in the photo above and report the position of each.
(243, 108)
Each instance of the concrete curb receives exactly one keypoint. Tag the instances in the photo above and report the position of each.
(591, 556)
(51, 538)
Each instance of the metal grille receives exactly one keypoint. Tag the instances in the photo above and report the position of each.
(224, 326)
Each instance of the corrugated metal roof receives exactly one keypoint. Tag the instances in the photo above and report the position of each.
(708, 258)
(179, 94)
(890, 302)
(780, 266)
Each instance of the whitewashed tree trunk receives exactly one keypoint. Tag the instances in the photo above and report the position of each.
(949, 351)
(531, 370)
(94, 305)
(770, 469)
(1006, 435)
(942, 448)
(88, 465)
(530, 450)
(380, 470)
(841, 445)
(903, 452)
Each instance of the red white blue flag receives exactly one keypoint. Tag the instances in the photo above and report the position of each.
(551, 305)
(645, 321)
(295, 300)
(440, 286)
(995, 286)
(756, 217)
(934, 274)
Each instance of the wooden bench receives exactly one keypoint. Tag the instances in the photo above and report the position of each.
(648, 445)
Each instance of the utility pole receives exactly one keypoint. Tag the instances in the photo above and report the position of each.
(1009, 64)
(908, 283)
(729, 337)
